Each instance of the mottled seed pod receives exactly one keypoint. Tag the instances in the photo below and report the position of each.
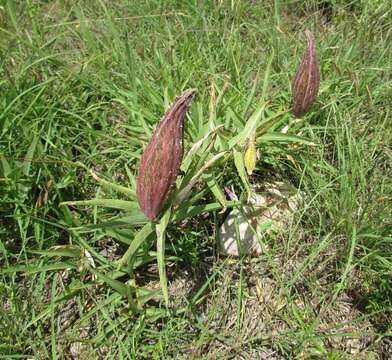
(161, 159)
(307, 81)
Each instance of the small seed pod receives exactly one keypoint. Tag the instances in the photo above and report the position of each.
(307, 81)
(161, 159)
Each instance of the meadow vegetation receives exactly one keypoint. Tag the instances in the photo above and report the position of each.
(84, 274)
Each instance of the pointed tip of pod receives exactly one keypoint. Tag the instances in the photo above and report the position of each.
(189, 93)
(161, 159)
(310, 37)
(307, 80)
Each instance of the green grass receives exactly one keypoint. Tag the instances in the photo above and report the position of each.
(83, 85)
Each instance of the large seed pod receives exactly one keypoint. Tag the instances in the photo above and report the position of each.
(161, 160)
(307, 81)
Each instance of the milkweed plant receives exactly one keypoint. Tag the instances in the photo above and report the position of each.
(163, 197)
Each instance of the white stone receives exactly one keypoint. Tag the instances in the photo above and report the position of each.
(269, 209)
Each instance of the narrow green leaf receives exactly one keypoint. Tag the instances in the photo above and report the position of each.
(197, 146)
(161, 236)
(12, 13)
(252, 95)
(240, 166)
(126, 221)
(267, 73)
(5, 168)
(62, 250)
(107, 203)
(184, 193)
(53, 322)
(29, 156)
(185, 211)
(271, 122)
(140, 237)
(254, 121)
(109, 185)
(31, 269)
(285, 138)
(250, 126)
(215, 189)
(120, 235)
(145, 295)
(123, 289)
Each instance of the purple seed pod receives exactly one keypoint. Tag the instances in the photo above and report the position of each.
(161, 159)
(307, 81)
